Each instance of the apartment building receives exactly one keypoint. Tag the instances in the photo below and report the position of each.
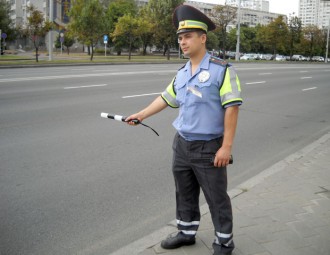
(314, 12)
(249, 17)
(258, 5)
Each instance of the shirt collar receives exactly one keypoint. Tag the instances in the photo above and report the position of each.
(203, 65)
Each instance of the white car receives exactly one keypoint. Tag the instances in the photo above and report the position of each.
(318, 59)
(280, 58)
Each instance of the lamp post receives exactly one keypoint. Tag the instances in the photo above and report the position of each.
(237, 56)
(327, 46)
(50, 34)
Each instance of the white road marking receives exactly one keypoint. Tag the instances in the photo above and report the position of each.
(257, 82)
(303, 71)
(309, 89)
(265, 73)
(87, 86)
(38, 78)
(303, 78)
(142, 95)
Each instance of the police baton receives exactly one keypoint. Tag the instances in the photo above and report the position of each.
(123, 119)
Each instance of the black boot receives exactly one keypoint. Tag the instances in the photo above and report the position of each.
(173, 242)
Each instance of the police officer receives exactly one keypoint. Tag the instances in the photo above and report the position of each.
(207, 92)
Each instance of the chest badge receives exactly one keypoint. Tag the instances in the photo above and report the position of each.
(204, 76)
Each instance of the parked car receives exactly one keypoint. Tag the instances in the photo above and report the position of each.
(249, 56)
(280, 58)
(318, 59)
(299, 58)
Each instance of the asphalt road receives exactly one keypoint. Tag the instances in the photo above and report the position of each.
(74, 183)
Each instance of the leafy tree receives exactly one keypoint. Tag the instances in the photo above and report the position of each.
(312, 42)
(88, 22)
(6, 24)
(160, 13)
(212, 41)
(117, 9)
(145, 29)
(36, 28)
(126, 27)
(276, 34)
(295, 33)
(68, 42)
(222, 15)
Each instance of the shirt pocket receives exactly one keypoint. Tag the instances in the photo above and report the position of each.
(201, 92)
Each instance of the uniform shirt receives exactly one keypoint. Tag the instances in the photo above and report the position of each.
(202, 98)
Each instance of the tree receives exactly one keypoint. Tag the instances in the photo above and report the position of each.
(126, 27)
(68, 42)
(212, 41)
(160, 13)
(276, 34)
(312, 42)
(145, 29)
(116, 10)
(295, 32)
(222, 15)
(6, 24)
(88, 22)
(36, 28)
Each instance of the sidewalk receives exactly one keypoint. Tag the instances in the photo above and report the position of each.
(285, 210)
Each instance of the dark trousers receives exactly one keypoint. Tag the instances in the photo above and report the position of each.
(192, 169)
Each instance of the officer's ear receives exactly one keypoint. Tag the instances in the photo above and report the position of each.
(203, 36)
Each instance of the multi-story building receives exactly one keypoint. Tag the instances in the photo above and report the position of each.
(249, 17)
(19, 12)
(258, 5)
(314, 12)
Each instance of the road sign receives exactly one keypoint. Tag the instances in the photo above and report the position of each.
(62, 39)
(3, 35)
(105, 38)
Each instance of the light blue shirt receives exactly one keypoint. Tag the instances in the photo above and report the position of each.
(201, 115)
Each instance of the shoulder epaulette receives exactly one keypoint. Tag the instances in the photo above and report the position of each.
(219, 61)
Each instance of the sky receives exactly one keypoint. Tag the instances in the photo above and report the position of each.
(277, 6)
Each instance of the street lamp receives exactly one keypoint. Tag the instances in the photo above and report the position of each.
(50, 35)
(237, 56)
(327, 47)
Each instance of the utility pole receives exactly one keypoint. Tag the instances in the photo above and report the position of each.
(327, 48)
(50, 33)
(238, 31)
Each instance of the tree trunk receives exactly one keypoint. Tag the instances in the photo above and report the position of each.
(168, 52)
(144, 49)
(92, 52)
(130, 49)
(37, 60)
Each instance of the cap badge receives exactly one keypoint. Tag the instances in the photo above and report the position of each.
(203, 76)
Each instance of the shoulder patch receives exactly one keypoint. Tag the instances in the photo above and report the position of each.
(219, 61)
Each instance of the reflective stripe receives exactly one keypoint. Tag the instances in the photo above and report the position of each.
(182, 223)
(192, 24)
(224, 244)
(231, 88)
(189, 232)
(169, 95)
(222, 235)
(227, 244)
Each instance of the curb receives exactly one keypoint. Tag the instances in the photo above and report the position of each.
(153, 238)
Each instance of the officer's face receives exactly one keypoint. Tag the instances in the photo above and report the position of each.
(192, 43)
